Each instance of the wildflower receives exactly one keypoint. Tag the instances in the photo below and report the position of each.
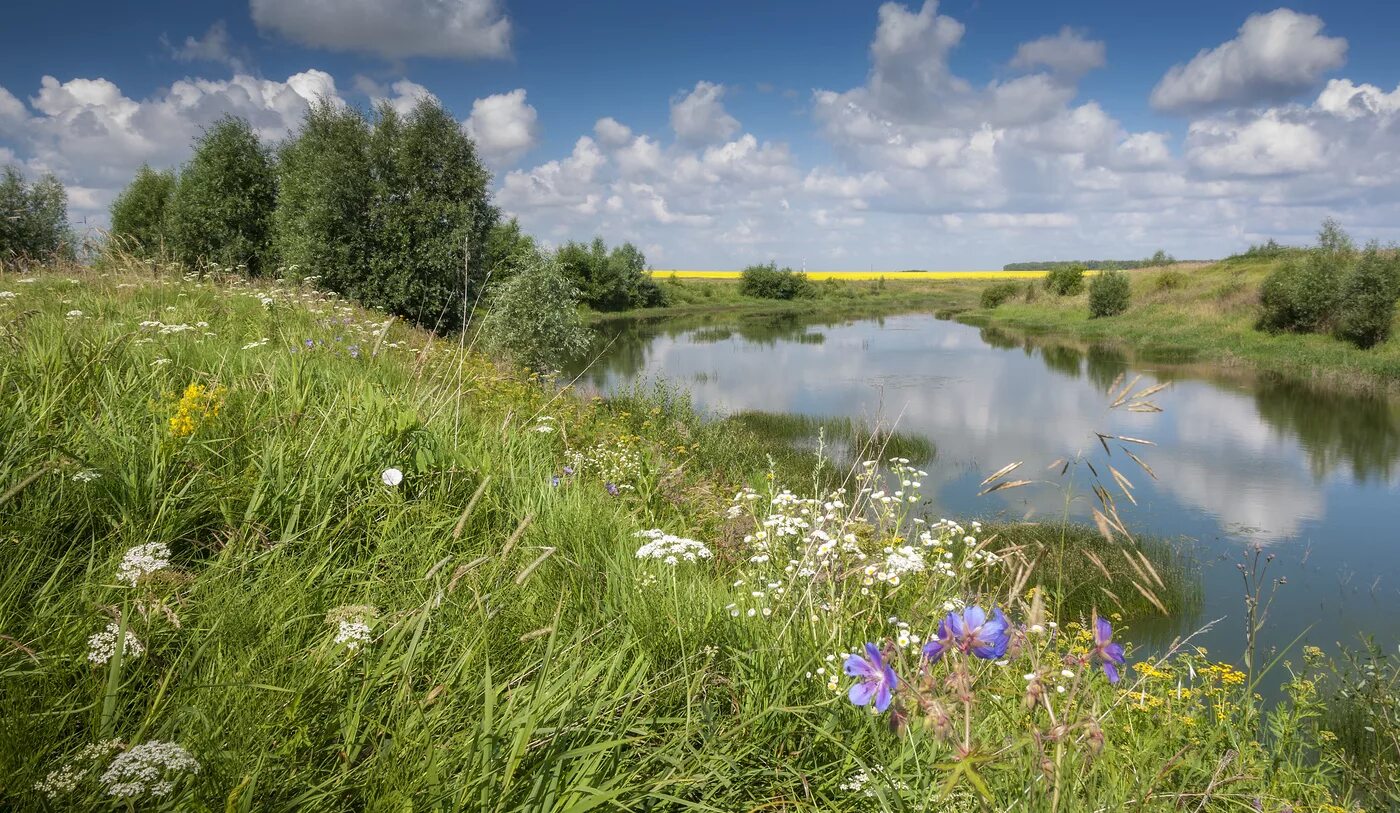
(352, 625)
(85, 476)
(196, 404)
(151, 767)
(143, 560)
(65, 779)
(7, 294)
(877, 680)
(354, 351)
(612, 489)
(1108, 653)
(103, 645)
(75, 314)
(554, 481)
(972, 631)
(670, 548)
(391, 477)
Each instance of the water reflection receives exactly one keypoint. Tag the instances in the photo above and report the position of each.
(1240, 459)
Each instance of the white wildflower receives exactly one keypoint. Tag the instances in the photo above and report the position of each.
(65, 779)
(75, 314)
(151, 767)
(103, 645)
(352, 634)
(85, 476)
(7, 294)
(391, 477)
(669, 548)
(143, 560)
(352, 625)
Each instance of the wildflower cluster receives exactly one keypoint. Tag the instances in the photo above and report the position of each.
(149, 768)
(66, 778)
(143, 560)
(103, 645)
(197, 404)
(669, 548)
(618, 463)
(352, 625)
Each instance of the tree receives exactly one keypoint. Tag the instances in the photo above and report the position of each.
(320, 227)
(33, 220)
(1332, 239)
(429, 207)
(610, 280)
(1109, 294)
(534, 318)
(508, 250)
(221, 212)
(1065, 280)
(139, 212)
(1366, 304)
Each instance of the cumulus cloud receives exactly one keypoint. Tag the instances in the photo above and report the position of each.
(1067, 52)
(612, 132)
(403, 95)
(1276, 56)
(395, 29)
(215, 46)
(699, 116)
(504, 126)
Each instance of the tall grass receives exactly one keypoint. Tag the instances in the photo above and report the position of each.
(518, 655)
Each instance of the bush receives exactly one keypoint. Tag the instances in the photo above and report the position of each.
(534, 318)
(139, 212)
(1169, 280)
(1065, 280)
(1109, 294)
(1301, 294)
(610, 280)
(221, 211)
(771, 282)
(320, 227)
(1366, 303)
(1032, 291)
(33, 220)
(994, 295)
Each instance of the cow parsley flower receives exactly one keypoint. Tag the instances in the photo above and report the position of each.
(103, 645)
(151, 767)
(669, 548)
(352, 625)
(142, 561)
(85, 476)
(65, 779)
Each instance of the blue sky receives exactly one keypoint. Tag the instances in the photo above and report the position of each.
(961, 134)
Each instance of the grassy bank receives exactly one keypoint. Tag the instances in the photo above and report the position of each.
(265, 550)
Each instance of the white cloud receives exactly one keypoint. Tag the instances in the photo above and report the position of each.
(403, 95)
(12, 111)
(395, 29)
(1267, 145)
(611, 132)
(215, 46)
(1349, 101)
(699, 116)
(504, 126)
(1068, 52)
(1276, 56)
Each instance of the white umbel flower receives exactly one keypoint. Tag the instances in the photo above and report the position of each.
(103, 645)
(142, 561)
(151, 767)
(669, 548)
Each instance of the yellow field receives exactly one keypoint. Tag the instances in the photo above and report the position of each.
(866, 275)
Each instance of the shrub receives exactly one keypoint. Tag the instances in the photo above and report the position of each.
(534, 318)
(1109, 293)
(1169, 280)
(428, 207)
(1366, 302)
(1333, 239)
(323, 199)
(221, 211)
(771, 282)
(1160, 258)
(139, 212)
(610, 280)
(994, 295)
(1032, 291)
(33, 220)
(1301, 294)
(1065, 280)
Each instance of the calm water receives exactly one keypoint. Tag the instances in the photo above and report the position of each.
(1313, 477)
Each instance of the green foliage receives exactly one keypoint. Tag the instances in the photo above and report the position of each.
(767, 281)
(1361, 693)
(1268, 249)
(139, 212)
(534, 319)
(429, 206)
(994, 295)
(1333, 239)
(1109, 294)
(1088, 265)
(1065, 280)
(1366, 303)
(33, 220)
(1160, 258)
(221, 211)
(508, 250)
(1301, 295)
(324, 193)
(610, 280)
(1169, 280)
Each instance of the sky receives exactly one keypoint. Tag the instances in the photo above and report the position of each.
(824, 134)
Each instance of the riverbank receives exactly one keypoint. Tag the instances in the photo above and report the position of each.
(305, 557)
(1179, 314)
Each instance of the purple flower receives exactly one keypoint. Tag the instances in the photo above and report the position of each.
(941, 643)
(972, 631)
(569, 471)
(310, 343)
(612, 489)
(877, 679)
(554, 481)
(354, 351)
(1108, 653)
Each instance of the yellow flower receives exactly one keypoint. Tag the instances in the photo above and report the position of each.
(197, 404)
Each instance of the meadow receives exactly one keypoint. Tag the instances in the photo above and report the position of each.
(863, 276)
(268, 550)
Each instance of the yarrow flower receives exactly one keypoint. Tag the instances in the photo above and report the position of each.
(143, 560)
(151, 767)
(103, 645)
(1109, 654)
(877, 680)
(971, 631)
(669, 548)
(391, 477)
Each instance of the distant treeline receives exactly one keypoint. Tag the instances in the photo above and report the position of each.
(1160, 258)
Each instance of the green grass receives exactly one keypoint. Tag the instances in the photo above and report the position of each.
(519, 656)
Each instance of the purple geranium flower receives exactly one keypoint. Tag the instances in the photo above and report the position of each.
(612, 489)
(877, 679)
(941, 643)
(1108, 653)
(554, 481)
(569, 470)
(972, 631)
